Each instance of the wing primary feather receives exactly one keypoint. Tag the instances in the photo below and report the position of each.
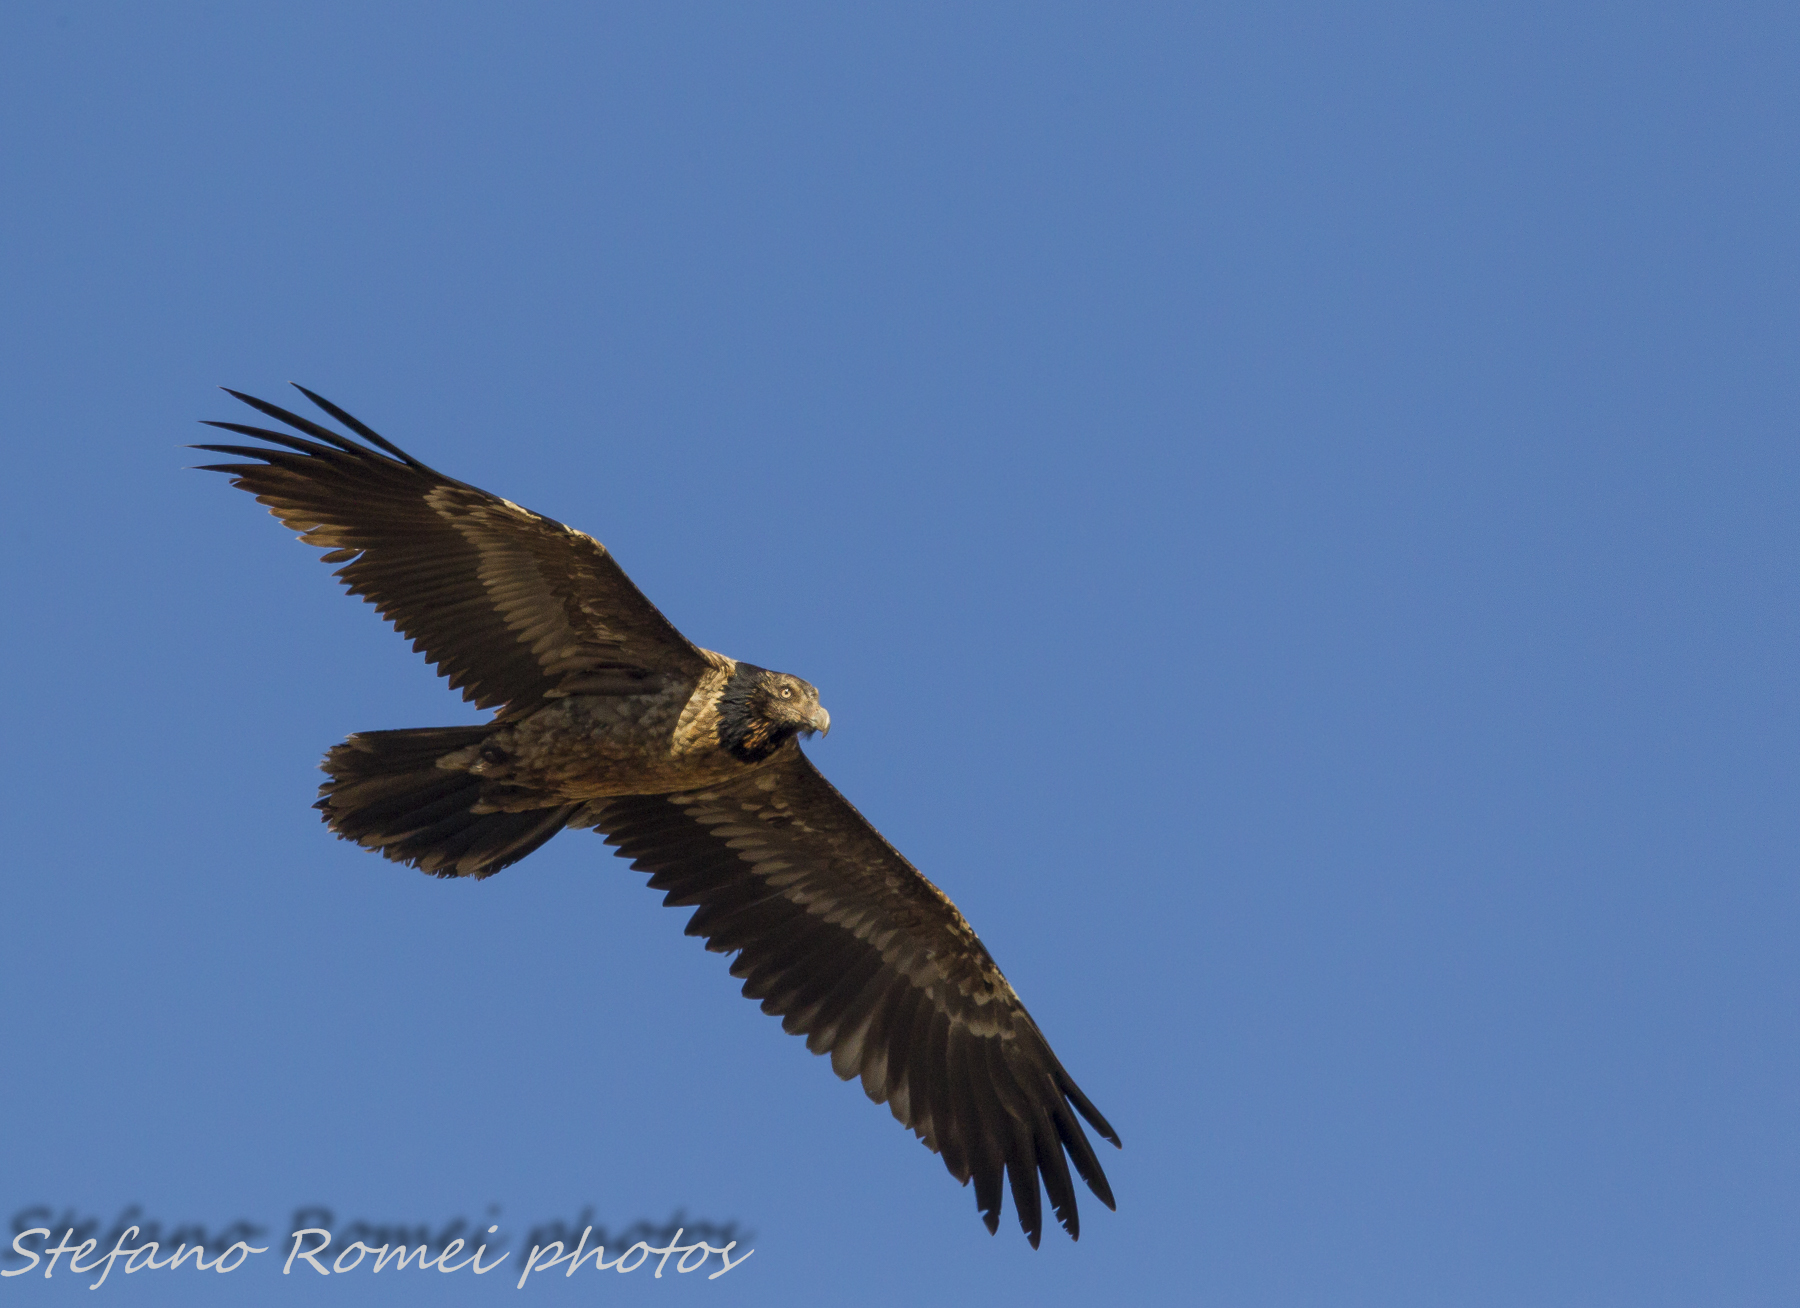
(1055, 1170)
(366, 432)
(298, 423)
(1076, 1142)
(337, 456)
(1021, 1172)
(1066, 1084)
(984, 1123)
(941, 1096)
(271, 459)
(1013, 1138)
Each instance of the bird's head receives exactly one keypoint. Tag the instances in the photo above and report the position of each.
(791, 704)
(760, 710)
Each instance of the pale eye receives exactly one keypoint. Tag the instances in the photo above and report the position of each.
(787, 692)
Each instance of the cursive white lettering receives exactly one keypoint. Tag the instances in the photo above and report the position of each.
(620, 1266)
(358, 1248)
(381, 1259)
(479, 1269)
(671, 1249)
(80, 1253)
(532, 1261)
(725, 1257)
(20, 1249)
(241, 1249)
(450, 1251)
(117, 1252)
(149, 1252)
(63, 1247)
(311, 1255)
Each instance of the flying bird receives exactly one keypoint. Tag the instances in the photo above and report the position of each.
(689, 763)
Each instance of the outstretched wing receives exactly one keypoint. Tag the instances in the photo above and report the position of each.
(854, 949)
(511, 606)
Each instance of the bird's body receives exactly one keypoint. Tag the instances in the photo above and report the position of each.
(688, 762)
(658, 739)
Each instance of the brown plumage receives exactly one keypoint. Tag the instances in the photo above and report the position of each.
(689, 763)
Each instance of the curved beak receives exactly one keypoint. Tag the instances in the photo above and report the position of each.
(819, 720)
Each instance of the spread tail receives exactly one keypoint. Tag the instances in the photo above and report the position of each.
(387, 793)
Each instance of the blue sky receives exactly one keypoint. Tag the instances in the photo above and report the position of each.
(1291, 510)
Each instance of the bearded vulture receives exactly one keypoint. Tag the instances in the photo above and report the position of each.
(688, 763)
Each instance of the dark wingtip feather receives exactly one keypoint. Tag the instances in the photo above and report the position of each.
(360, 428)
(1053, 1168)
(247, 451)
(295, 421)
(1021, 1173)
(1067, 1085)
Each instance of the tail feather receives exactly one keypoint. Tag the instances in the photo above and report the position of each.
(387, 793)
